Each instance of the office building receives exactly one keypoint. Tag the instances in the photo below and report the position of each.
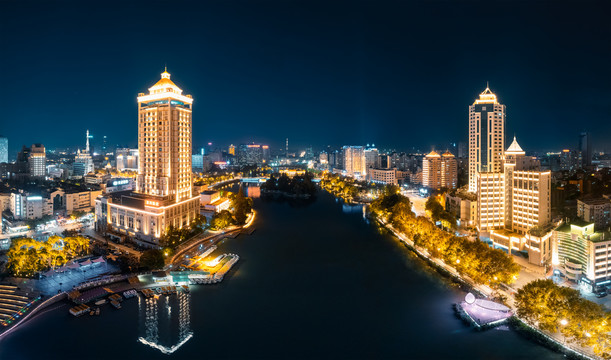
(231, 150)
(37, 161)
(582, 254)
(382, 176)
(25, 206)
(486, 136)
(354, 161)
(439, 171)
(164, 193)
(3, 149)
(597, 211)
(585, 149)
(371, 157)
(250, 155)
(513, 206)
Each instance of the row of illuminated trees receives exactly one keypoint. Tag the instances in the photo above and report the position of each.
(342, 187)
(212, 179)
(475, 259)
(27, 256)
(562, 309)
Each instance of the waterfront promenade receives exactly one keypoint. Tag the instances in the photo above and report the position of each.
(486, 291)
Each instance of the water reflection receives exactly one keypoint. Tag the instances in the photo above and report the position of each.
(165, 321)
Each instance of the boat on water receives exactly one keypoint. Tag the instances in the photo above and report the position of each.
(116, 304)
(100, 302)
(185, 288)
(91, 313)
(79, 310)
(97, 311)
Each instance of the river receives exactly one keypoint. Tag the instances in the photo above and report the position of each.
(315, 280)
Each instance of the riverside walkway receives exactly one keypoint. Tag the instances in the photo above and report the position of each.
(487, 291)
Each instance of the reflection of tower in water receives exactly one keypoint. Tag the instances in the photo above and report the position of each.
(165, 321)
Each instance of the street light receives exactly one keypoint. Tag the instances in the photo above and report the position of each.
(563, 322)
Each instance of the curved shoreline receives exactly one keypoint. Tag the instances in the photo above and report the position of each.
(517, 324)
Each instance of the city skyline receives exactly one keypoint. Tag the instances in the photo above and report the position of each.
(342, 92)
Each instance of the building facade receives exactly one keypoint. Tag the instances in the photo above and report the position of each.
(37, 161)
(582, 254)
(3, 149)
(486, 136)
(164, 193)
(354, 161)
(439, 171)
(382, 176)
(597, 211)
(514, 205)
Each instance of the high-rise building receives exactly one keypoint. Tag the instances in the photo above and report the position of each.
(265, 155)
(354, 161)
(37, 160)
(164, 194)
(3, 149)
(585, 149)
(250, 154)
(439, 171)
(371, 157)
(231, 150)
(486, 136)
(83, 162)
(514, 205)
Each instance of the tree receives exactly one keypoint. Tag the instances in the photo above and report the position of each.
(242, 206)
(152, 259)
(221, 220)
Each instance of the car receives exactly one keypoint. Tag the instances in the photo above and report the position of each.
(601, 294)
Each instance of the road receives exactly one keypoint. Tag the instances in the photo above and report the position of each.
(90, 232)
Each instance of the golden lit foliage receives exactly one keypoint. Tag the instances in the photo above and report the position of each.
(28, 256)
(558, 308)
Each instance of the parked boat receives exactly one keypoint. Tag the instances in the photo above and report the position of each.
(116, 304)
(97, 311)
(100, 302)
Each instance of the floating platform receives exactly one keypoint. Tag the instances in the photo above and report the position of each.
(483, 313)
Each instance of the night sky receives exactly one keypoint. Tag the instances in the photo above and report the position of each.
(397, 74)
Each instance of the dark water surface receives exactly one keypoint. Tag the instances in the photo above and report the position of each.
(313, 281)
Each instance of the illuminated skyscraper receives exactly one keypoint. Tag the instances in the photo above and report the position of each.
(38, 161)
(164, 193)
(439, 171)
(486, 136)
(354, 161)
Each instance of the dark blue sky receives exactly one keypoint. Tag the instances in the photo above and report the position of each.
(400, 74)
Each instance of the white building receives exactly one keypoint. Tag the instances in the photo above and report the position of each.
(37, 161)
(382, 176)
(126, 159)
(354, 161)
(582, 254)
(28, 207)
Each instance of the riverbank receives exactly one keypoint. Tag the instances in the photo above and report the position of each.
(521, 326)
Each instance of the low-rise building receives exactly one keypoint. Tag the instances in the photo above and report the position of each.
(463, 205)
(382, 176)
(212, 201)
(582, 254)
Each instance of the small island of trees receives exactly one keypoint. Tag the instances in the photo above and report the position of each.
(297, 186)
